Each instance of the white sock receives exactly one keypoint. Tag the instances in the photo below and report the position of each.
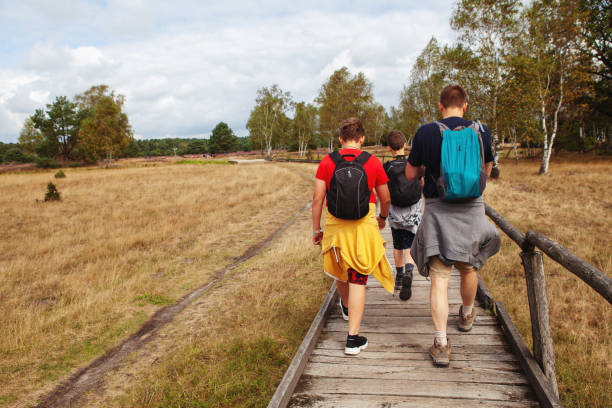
(440, 337)
(466, 310)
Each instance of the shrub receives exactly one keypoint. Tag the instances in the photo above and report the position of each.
(76, 164)
(60, 174)
(47, 163)
(52, 193)
(16, 155)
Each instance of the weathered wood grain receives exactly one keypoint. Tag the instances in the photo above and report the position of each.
(494, 392)
(423, 339)
(423, 362)
(391, 372)
(392, 401)
(593, 277)
(539, 313)
(457, 354)
(414, 327)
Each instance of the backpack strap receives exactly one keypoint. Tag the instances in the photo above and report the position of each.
(336, 157)
(362, 158)
(442, 127)
(476, 126)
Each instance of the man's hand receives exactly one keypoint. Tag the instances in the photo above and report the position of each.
(316, 239)
(381, 222)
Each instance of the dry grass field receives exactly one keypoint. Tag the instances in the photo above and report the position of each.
(571, 205)
(79, 275)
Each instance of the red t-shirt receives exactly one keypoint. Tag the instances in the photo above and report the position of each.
(373, 168)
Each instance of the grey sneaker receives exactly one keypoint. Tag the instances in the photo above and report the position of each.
(440, 354)
(464, 323)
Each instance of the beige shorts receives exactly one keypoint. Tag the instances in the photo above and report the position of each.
(438, 269)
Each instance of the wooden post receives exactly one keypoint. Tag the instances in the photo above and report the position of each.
(540, 320)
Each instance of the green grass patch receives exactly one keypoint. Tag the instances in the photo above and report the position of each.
(6, 399)
(158, 300)
(191, 161)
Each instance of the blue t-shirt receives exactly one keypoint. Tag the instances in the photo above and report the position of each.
(426, 147)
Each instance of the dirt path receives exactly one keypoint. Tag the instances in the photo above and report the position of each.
(90, 378)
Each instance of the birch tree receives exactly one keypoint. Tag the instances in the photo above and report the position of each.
(549, 59)
(304, 125)
(487, 26)
(268, 119)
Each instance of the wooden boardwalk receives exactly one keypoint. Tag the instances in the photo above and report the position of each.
(396, 370)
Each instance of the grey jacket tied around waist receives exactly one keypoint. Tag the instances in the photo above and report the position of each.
(456, 232)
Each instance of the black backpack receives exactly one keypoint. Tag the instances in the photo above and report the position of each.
(404, 192)
(348, 197)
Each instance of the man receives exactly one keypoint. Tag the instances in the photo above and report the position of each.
(450, 233)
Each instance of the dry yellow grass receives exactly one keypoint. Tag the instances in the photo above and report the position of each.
(79, 275)
(571, 205)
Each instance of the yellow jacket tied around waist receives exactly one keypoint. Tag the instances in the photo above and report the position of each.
(355, 244)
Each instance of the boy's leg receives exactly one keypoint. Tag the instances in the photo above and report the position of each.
(398, 257)
(343, 291)
(356, 305)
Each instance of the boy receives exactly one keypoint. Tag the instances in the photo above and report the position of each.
(352, 246)
(405, 212)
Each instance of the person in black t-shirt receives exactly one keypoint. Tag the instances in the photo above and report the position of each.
(449, 234)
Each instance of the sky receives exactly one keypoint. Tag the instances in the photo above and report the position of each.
(186, 65)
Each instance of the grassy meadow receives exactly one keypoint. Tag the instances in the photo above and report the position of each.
(570, 205)
(80, 275)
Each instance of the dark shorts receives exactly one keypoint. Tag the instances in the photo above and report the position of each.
(356, 277)
(402, 239)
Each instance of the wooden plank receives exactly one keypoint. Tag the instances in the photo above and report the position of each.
(494, 392)
(415, 327)
(536, 377)
(539, 312)
(285, 389)
(475, 364)
(391, 372)
(410, 320)
(423, 354)
(593, 277)
(392, 401)
(395, 339)
(420, 311)
(495, 349)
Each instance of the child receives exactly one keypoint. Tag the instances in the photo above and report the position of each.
(352, 245)
(404, 214)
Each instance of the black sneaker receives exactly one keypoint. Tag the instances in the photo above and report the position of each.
(343, 310)
(406, 285)
(354, 344)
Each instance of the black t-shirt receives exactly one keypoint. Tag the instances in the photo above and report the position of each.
(426, 147)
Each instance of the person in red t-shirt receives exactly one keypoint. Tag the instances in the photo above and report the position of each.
(353, 249)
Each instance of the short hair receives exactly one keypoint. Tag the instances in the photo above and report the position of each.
(453, 95)
(351, 129)
(396, 140)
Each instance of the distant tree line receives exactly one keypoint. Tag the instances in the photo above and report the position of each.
(538, 74)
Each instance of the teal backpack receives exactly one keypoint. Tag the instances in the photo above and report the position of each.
(462, 165)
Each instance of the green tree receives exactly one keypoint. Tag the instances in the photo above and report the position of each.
(304, 125)
(30, 137)
(268, 122)
(342, 96)
(105, 133)
(197, 146)
(59, 125)
(487, 27)
(222, 139)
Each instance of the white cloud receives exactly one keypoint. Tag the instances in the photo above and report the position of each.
(183, 78)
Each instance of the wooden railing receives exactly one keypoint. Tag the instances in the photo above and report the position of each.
(538, 301)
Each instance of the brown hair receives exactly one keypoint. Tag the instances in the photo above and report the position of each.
(351, 129)
(396, 140)
(453, 95)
